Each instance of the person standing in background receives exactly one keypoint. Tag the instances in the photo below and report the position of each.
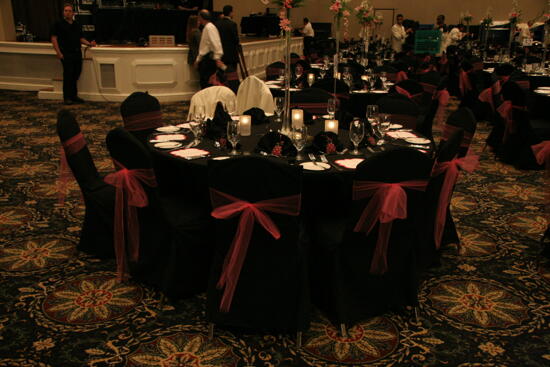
(229, 36)
(193, 37)
(210, 50)
(66, 37)
(398, 34)
(309, 33)
(442, 27)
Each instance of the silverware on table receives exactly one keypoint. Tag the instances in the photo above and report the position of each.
(312, 158)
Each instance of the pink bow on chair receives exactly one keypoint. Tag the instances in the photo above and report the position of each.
(227, 206)
(129, 196)
(451, 171)
(388, 202)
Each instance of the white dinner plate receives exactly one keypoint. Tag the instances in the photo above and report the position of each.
(417, 140)
(361, 91)
(167, 145)
(168, 129)
(396, 126)
(221, 158)
(544, 88)
(379, 91)
(317, 166)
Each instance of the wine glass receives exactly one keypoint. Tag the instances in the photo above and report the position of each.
(230, 107)
(279, 107)
(383, 78)
(298, 135)
(331, 107)
(372, 112)
(383, 127)
(233, 135)
(356, 135)
(323, 71)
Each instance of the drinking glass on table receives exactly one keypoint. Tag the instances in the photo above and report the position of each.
(383, 78)
(383, 127)
(298, 135)
(310, 79)
(323, 71)
(233, 135)
(279, 107)
(230, 107)
(372, 112)
(356, 135)
(331, 107)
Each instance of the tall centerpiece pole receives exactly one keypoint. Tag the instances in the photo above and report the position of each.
(514, 20)
(546, 37)
(467, 18)
(286, 34)
(365, 16)
(486, 26)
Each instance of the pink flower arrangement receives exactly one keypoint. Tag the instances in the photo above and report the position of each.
(287, 4)
(336, 6)
(284, 23)
(346, 13)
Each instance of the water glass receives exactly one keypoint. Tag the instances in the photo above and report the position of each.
(230, 107)
(331, 107)
(383, 127)
(298, 135)
(279, 107)
(233, 135)
(372, 111)
(356, 135)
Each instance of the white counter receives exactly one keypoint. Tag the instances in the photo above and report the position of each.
(111, 73)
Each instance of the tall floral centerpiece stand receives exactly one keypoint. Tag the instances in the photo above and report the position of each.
(486, 26)
(513, 17)
(286, 35)
(340, 10)
(467, 19)
(365, 15)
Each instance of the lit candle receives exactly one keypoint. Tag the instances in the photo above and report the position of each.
(297, 118)
(332, 126)
(245, 125)
(310, 79)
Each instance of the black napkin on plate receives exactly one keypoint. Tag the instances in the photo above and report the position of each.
(257, 115)
(277, 144)
(327, 142)
(217, 126)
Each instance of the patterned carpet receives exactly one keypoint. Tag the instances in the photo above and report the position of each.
(488, 306)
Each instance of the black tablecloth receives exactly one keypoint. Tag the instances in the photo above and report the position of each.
(131, 24)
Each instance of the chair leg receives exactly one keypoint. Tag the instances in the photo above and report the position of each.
(210, 331)
(343, 331)
(299, 340)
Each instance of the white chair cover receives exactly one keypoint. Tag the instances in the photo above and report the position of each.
(208, 98)
(253, 92)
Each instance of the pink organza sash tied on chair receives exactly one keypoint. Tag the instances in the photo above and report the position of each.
(542, 153)
(505, 110)
(130, 195)
(388, 202)
(227, 206)
(400, 76)
(69, 147)
(464, 83)
(143, 121)
(486, 96)
(442, 97)
(451, 170)
(403, 91)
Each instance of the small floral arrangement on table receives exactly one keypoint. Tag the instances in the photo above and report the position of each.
(515, 14)
(466, 17)
(365, 14)
(284, 6)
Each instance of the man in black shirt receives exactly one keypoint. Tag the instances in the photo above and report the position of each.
(66, 39)
(229, 35)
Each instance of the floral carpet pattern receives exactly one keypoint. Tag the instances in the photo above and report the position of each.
(488, 304)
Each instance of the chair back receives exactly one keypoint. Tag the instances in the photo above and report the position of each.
(253, 92)
(80, 162)
(464, 119)
(273, 270)
(208, 98)
(274, 70)
(403, 108)
(311, 100)
(328, 85)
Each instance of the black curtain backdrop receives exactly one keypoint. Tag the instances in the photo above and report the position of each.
(38, 15)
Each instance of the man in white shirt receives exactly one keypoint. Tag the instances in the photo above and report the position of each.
(455, 35)
(398, 34)
(210, 50)
(308, 33)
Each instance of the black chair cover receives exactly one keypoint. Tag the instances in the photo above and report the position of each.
(272, 292)
(342, 285)
(96, 237)
(463, 118)
(398, 104)
(175, 248)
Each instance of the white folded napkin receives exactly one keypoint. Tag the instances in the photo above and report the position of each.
(168, 137)
(190, 153)
(185, 125)
(401, 134)
(350, 163)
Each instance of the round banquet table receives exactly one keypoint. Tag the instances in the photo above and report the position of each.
(328, 190)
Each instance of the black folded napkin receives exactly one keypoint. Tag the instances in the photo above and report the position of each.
(277, 144)
(257, 115)
(217, 126)
(327, 142)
